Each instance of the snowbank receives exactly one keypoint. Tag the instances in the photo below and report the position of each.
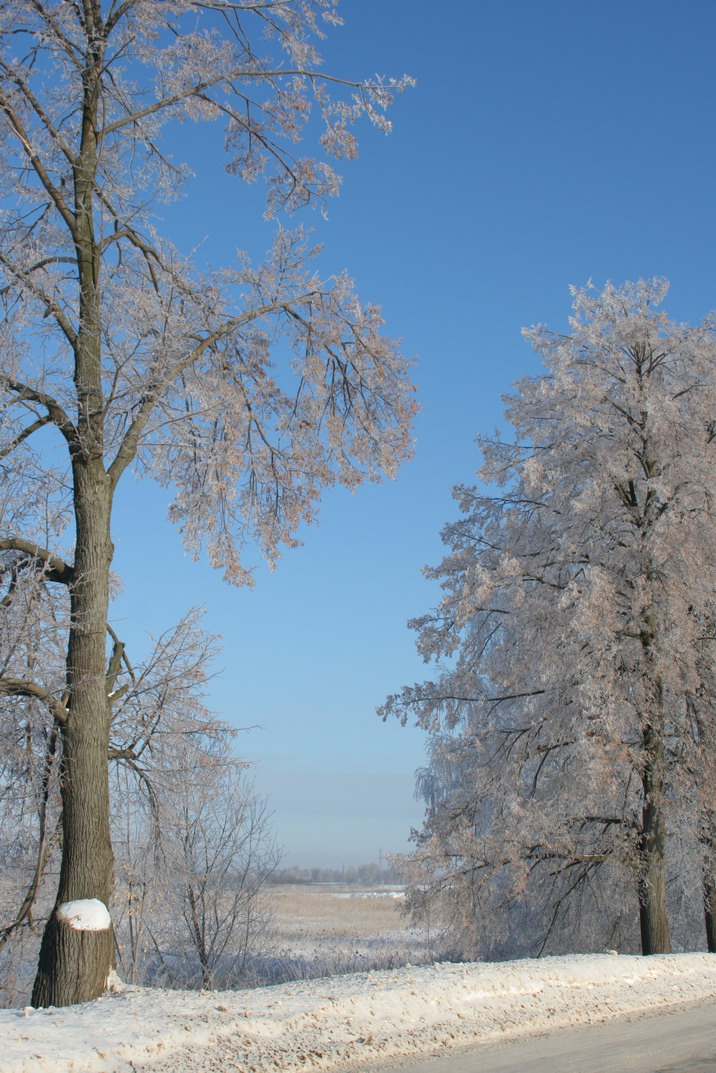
(325, 1023)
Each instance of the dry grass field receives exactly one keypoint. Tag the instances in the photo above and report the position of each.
(325, 930)
(315, 930)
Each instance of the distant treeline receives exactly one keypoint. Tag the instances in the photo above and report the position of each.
(363, 876)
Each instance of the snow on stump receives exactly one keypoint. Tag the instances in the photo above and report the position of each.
(79, 937)
(85, 914)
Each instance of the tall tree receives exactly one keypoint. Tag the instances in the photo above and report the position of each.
(572, 712)
(130, 355)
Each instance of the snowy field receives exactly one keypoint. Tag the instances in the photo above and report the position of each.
(326, 930)
(348, 1021)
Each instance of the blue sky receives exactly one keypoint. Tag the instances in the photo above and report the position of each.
(547, 142)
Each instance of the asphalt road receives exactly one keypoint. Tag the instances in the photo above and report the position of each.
(678, 1040)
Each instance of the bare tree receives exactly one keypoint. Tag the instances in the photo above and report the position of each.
(168, 753)
(193, 840)
(30, 813)
(119, 352)
(223, 854)
(194, 908)
(572, 632)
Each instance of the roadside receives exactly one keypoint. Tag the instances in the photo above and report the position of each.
(356, 1021)
(681, 1039)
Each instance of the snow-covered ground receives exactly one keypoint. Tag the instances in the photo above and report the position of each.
(335, 1022)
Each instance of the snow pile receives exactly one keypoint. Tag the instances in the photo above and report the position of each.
(344, 1020)
(85, 914)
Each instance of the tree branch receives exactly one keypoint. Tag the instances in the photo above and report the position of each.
(10, 447)
(44, 848)
(56, 413)
(56, 569)
(42, 115)
(38, 167)
(130, 442)
(22, 687)
(22, 275)
(159, 106)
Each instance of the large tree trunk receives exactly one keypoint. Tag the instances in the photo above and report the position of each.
(653, 917)
(710, 913)
(74, 965)
(709, 879)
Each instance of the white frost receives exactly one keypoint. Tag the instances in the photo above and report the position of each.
(85, 914)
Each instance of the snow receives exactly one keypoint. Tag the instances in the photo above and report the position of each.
(395, 895)
(85, 914)
(340, 1021)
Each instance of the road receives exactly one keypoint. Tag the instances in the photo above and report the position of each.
(681, 1040)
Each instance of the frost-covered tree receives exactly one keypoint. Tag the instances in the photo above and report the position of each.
(572, 712)
(120, 352)
(192, 839)
(221, 854)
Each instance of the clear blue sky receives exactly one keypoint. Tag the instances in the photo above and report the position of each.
(547, 142)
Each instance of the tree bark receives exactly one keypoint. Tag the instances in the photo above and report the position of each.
(710, 913)
(653, 916)
(709, 879)
(74, 965)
